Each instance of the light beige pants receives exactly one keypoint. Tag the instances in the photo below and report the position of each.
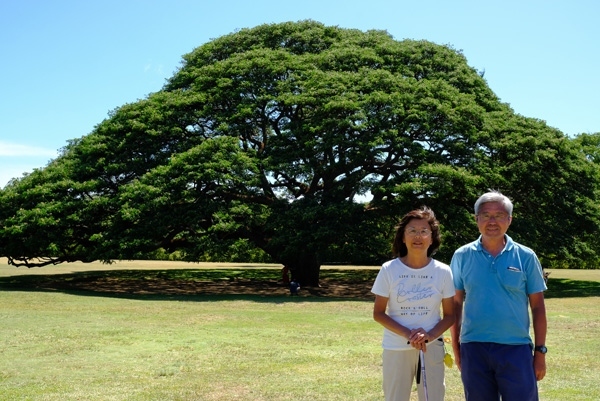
(400, 369)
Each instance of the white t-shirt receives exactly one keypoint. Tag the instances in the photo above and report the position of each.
(414, 296)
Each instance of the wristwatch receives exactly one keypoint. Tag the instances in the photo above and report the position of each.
(541, 348)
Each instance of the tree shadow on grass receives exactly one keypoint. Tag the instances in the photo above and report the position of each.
(213, 284)
(197, 284)
(565, 288)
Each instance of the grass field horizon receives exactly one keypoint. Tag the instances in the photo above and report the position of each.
(66, 336)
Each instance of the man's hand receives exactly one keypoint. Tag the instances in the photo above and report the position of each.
(539, 365)
(456, 352)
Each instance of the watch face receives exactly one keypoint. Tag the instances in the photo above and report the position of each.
(541, 349)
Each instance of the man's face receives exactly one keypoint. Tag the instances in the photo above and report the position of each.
(493, 220)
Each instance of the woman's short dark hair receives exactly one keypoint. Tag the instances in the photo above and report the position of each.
(399, 247)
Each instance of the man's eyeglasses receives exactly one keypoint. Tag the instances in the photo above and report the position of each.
(412, 232)
(485, 217)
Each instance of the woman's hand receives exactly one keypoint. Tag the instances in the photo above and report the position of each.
(419, 338)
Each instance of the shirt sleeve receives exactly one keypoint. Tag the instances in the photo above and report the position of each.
(448, 289)
(535, 275)
(456, 268)
(381, 286)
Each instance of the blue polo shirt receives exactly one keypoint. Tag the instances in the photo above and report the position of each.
(496, 304)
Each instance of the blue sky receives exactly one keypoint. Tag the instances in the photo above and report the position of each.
(65, 64)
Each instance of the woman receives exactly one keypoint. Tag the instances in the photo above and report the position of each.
(409, 291)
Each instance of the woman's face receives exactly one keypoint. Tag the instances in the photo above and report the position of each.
(417, 236)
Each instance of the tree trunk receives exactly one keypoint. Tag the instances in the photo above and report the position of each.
(305, 270)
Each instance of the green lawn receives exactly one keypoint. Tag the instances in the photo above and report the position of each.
(61, 342)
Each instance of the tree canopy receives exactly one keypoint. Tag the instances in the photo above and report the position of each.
(300, 144)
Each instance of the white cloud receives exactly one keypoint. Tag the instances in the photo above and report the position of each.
(14, 149)
(17, 159)
(153, 68)
(8, 172)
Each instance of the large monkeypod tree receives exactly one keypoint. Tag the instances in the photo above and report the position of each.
(304, 141)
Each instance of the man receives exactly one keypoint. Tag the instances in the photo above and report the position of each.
(496, 280)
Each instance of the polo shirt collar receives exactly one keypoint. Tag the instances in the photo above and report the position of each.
(507, 247)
